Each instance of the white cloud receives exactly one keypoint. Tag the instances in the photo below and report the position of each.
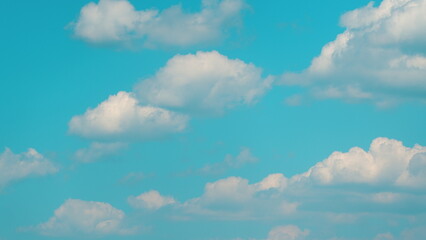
(273, 181)
(232, 189)
(152, 200)
(120, 116)
(87, 218)
(380, 57)
(235, 198)
(118, 21)
(17, 166)
(388, 162)
(288, 232)
(97, 151)
(205, 82)
(386, 178)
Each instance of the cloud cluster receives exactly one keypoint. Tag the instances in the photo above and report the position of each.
(111, 21)
(202, 83)
(77, 217)
(380, 57)
(386, 178)
(18, 166)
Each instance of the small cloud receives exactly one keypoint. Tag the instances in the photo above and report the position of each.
(151, 200)
(121, 117)
(97, 151)
(288, 232)
(18, 166)
(295, 100)
(230, 162)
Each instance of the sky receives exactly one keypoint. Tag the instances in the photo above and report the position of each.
(213, 120)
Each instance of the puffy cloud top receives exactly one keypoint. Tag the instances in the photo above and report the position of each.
(387, 162)
(77, 217)
(120, 116)
(150, 200)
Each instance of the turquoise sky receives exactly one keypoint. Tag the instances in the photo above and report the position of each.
(213, 120)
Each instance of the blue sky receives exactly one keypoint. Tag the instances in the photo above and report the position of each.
(227, 120)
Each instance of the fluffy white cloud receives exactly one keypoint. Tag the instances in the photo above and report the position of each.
(380, 57)
(118, 21)
(288, 232)
(77, 217)
(388, 162)
(205, 82)
(18, 166)
(232, 189)
(97, 151)
(120, 116)
(150, 200)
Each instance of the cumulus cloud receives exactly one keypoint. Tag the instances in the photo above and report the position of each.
(387, 162)
(18, 166)
(388, 178)
(152, 200)
(98, 151)
(380, 57)
(202, 83)
(121, 116)
(205, 82)
(110, 21)
(86, 218)
(236, 198)
(288, 232)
